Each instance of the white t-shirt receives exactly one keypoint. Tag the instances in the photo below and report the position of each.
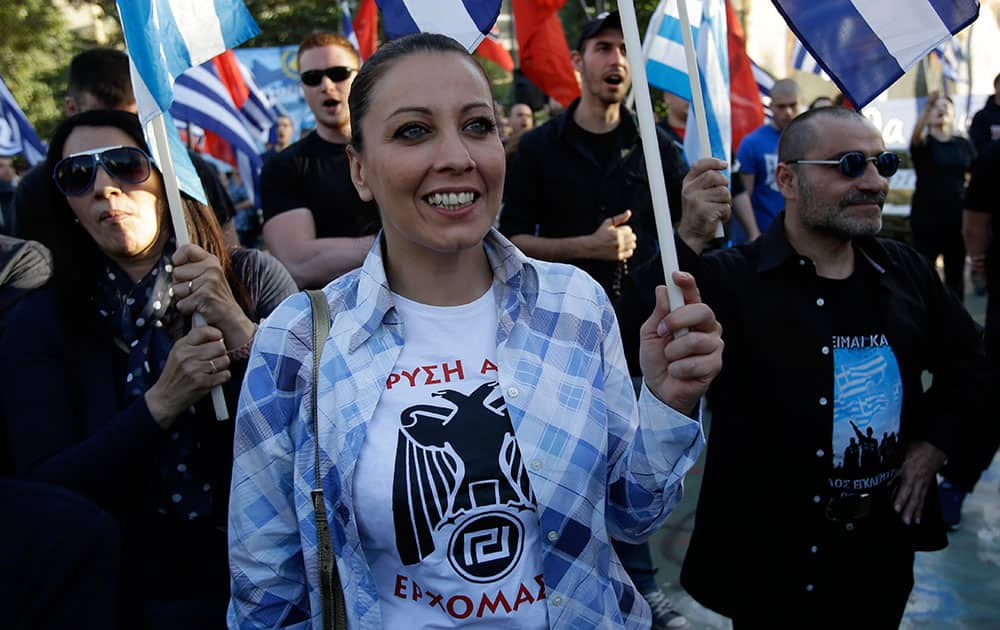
(447, 517)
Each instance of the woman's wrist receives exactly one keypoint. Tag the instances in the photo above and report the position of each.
(162, 416)
(242, 352)
(239, 333)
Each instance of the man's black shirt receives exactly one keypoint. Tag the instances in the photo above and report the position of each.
(765, 488)
(313, 173)
(559, 186)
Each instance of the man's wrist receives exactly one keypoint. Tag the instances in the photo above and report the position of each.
(690, 238)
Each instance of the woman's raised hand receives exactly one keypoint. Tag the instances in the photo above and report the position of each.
(200, 287)
(197, 363)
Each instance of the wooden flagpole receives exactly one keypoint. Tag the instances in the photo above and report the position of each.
(159, 129)
(651, 150)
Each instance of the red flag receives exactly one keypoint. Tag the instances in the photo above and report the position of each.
(366, 27)
(492, 49)
(746, 110)
(543, 49)
(219, 148)
(229, 72)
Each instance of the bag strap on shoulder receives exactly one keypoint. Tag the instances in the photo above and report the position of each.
(331, 592)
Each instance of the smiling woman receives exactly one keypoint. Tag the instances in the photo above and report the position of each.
(435, 166)
(473, 405)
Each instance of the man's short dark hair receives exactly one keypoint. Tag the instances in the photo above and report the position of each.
(800, 134)
(103, 73)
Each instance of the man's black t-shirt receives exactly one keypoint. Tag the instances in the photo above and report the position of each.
(601, 144)
(865, 449)
(313, 173)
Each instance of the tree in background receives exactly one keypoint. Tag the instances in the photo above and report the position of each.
(284, 23)
(35, 47)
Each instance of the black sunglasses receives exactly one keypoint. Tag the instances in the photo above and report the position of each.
(74, 175)
(336, 74)
(854, 163)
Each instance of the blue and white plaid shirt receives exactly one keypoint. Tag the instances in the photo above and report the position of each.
(600, 464)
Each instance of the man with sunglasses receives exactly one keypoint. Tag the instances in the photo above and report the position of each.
(314, 221)
(827, 328)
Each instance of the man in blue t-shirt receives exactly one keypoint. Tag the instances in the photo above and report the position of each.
(758, 157)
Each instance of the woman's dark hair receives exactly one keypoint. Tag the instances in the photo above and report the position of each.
(76, 259)
(384, 58)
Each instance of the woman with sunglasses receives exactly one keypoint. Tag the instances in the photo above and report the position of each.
(478, 438)
(941, 160)
(106, 381)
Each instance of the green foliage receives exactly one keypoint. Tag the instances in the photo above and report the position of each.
(110, 10)
(34, 48)
(573, 17)
(501, 81)
(287, 23)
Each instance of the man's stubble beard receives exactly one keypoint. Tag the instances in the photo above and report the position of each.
(833, 221)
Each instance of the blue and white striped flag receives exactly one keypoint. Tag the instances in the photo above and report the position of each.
(201, 98)
(764, 82)
(866, 45)
(666, 69)
(468, 21)
(165, 38)
(258, 110)
(349, 34)
(949, 53)
(802, 60)
(16, 133)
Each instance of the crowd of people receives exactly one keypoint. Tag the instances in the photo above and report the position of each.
(461, 395)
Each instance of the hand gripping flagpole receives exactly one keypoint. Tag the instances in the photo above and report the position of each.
(697, 98)
(651, 150)
(159, 129)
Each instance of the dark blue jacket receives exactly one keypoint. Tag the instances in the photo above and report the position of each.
(69, 425)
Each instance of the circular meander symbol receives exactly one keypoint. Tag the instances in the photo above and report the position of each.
(486, 547)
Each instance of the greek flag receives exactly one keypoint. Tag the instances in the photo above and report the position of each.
(202, 99)
(345, 11)
(764, 82)
(866, 45)
(258, 111)
(949, 53)
(802, 60)
(666, 69)
(16, 133)
(165, 38)
(467, 21)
